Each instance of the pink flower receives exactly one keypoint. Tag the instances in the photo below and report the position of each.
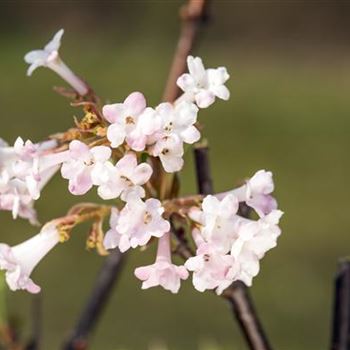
(162, 273)
(82, 162)
(122, 178)
(19, 261)
(229, 246)
(257, 193)
(212, 269)
(201, 85)
(136, 223)
(124, 118)
(24, 171)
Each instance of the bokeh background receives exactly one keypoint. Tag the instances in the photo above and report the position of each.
(289, 112)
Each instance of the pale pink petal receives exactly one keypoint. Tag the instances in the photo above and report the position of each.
(191, 135)
(116, 135)
(143, 272)
(135, 103)
(78, 149)
(55, 42)
(172, 164)
(127, 164)
(205, 98)
(113, 112)
(124, 243)
(186, 82)
(111, 239)
(221, 91)
(101, 153)
(196, 67)
(142, 174)
(81, 184)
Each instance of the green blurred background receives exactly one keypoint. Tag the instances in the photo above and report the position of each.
(289, 112)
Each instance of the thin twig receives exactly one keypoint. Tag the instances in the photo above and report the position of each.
(192, 15)
(237, 294)
(98, 299)
(341, 314)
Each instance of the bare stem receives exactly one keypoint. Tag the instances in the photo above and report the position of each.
(341, 314)
(97, 301)
(192, 15)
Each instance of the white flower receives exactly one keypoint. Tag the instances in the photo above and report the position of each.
(163, 272)
(170, 150)
(137, 222)
(217, 220)
(201, 85)
(19, 261)
(122, 178)
(255, 238)
(179, 120)
(81, 163)
(49, 57)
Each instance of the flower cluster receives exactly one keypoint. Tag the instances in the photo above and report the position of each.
(230, 246)
(125, 150)
(25, 168)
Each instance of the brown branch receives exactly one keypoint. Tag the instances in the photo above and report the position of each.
(193, 14)
(237, 294)
(97, 301)
(341, 314)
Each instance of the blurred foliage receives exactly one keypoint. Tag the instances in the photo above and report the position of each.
(289, 112)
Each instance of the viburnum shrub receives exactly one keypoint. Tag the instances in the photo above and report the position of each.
(132, 154)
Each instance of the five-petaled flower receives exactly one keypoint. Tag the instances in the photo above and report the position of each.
(136, 223)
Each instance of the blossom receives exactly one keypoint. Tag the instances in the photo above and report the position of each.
(203, 85)
(25, 169)
(212, 269)
(130, 121)
(257, 192)
(258, 236)
(229, 246)
(19, 261)
(81, 163)
(170, 151)
(124, 177)
(217, 220)
(254, 240)
(49, 57)
(163, 272)
(179, 119)
(136, 223)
